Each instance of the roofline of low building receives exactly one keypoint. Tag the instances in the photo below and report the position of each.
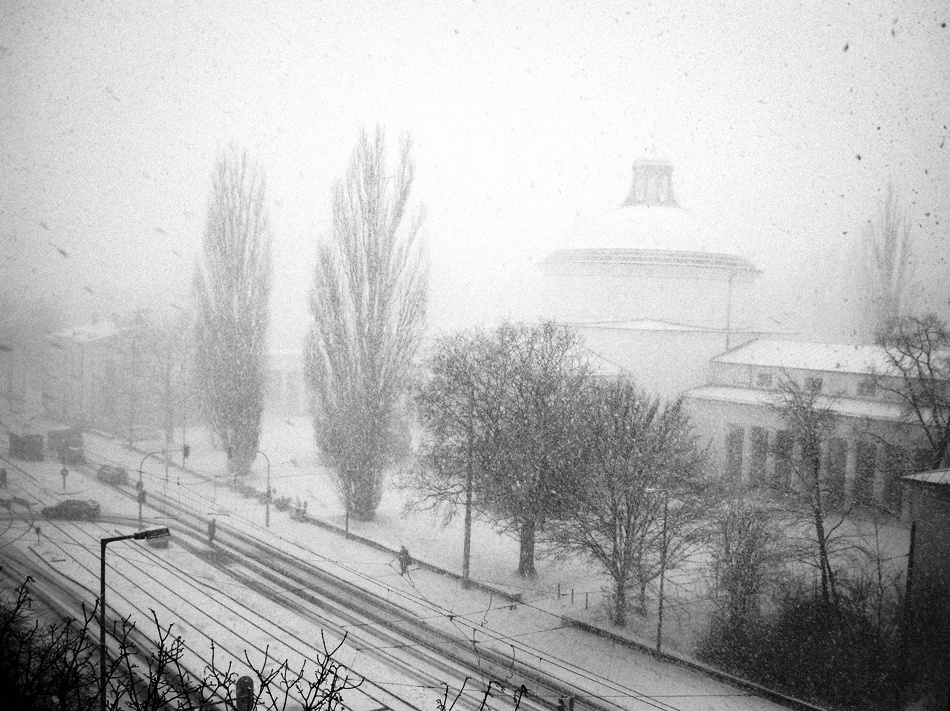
(772, 398)
(630, 255)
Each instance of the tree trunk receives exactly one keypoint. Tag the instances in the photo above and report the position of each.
(620, 603)
(526, 553)
(827, 581)
(365, 495)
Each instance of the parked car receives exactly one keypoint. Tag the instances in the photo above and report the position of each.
(160, 542)
(73, 509)
(116, 476)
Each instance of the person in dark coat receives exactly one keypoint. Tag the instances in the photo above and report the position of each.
(404, 560)
(3, 478)
(212, 527)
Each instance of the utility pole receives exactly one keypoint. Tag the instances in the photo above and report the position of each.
(132, 394)
(467, 542)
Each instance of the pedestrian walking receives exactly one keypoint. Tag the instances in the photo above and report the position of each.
(3, 478)
(64, 473)
(212, 527)
(404, 560)
(39, 532)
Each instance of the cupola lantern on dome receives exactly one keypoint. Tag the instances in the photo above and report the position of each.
(652, 183)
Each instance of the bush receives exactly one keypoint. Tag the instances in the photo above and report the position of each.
(830, 653)
(246, 490)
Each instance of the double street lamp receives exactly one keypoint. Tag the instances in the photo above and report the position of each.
(103, 542)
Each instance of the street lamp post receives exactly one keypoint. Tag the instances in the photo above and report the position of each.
(267, 502)
(103, 542)
(659, 615)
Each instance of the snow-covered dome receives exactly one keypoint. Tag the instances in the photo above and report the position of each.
(651, 217)
(657, 227)
(653, 261)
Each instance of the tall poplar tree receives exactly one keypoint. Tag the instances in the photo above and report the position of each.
(369, 305)
(231, 290)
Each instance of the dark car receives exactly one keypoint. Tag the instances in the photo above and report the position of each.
(116, 476)
(159, 541)
(73, 509)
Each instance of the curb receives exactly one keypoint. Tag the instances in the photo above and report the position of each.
(511, 597)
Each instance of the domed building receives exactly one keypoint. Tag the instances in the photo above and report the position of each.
(655, 295)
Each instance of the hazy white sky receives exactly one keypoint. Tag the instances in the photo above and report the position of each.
(784, 119)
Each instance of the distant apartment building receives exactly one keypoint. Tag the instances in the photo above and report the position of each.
(86, 381)
(736, 415)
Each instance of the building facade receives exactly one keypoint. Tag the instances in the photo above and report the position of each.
(737, 414)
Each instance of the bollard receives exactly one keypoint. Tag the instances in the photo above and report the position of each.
(572, 597)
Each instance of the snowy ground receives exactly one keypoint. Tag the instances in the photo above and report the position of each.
(295, 471)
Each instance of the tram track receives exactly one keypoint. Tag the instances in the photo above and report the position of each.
(368, 696)
(363, 609)
(434, 657)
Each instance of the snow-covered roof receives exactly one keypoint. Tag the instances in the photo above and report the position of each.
(654, 255)
(843, 406)
(938, 476)
(88, 333)
(656, 325)
(828, 357)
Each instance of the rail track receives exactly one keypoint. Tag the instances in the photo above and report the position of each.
(433, 653)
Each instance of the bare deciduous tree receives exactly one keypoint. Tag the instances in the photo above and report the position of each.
(918, 376)
(369, 306)
(810, 419)
(231, 290)
(57, 666)
(502, 416)
(638, 500)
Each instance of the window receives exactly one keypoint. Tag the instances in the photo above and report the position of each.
(813, 385)
(865, 467)
(734, 438)
(867, 388)
(763, 380)
(782, 479)
(835, 467)
(897, 462)
(759, 440)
